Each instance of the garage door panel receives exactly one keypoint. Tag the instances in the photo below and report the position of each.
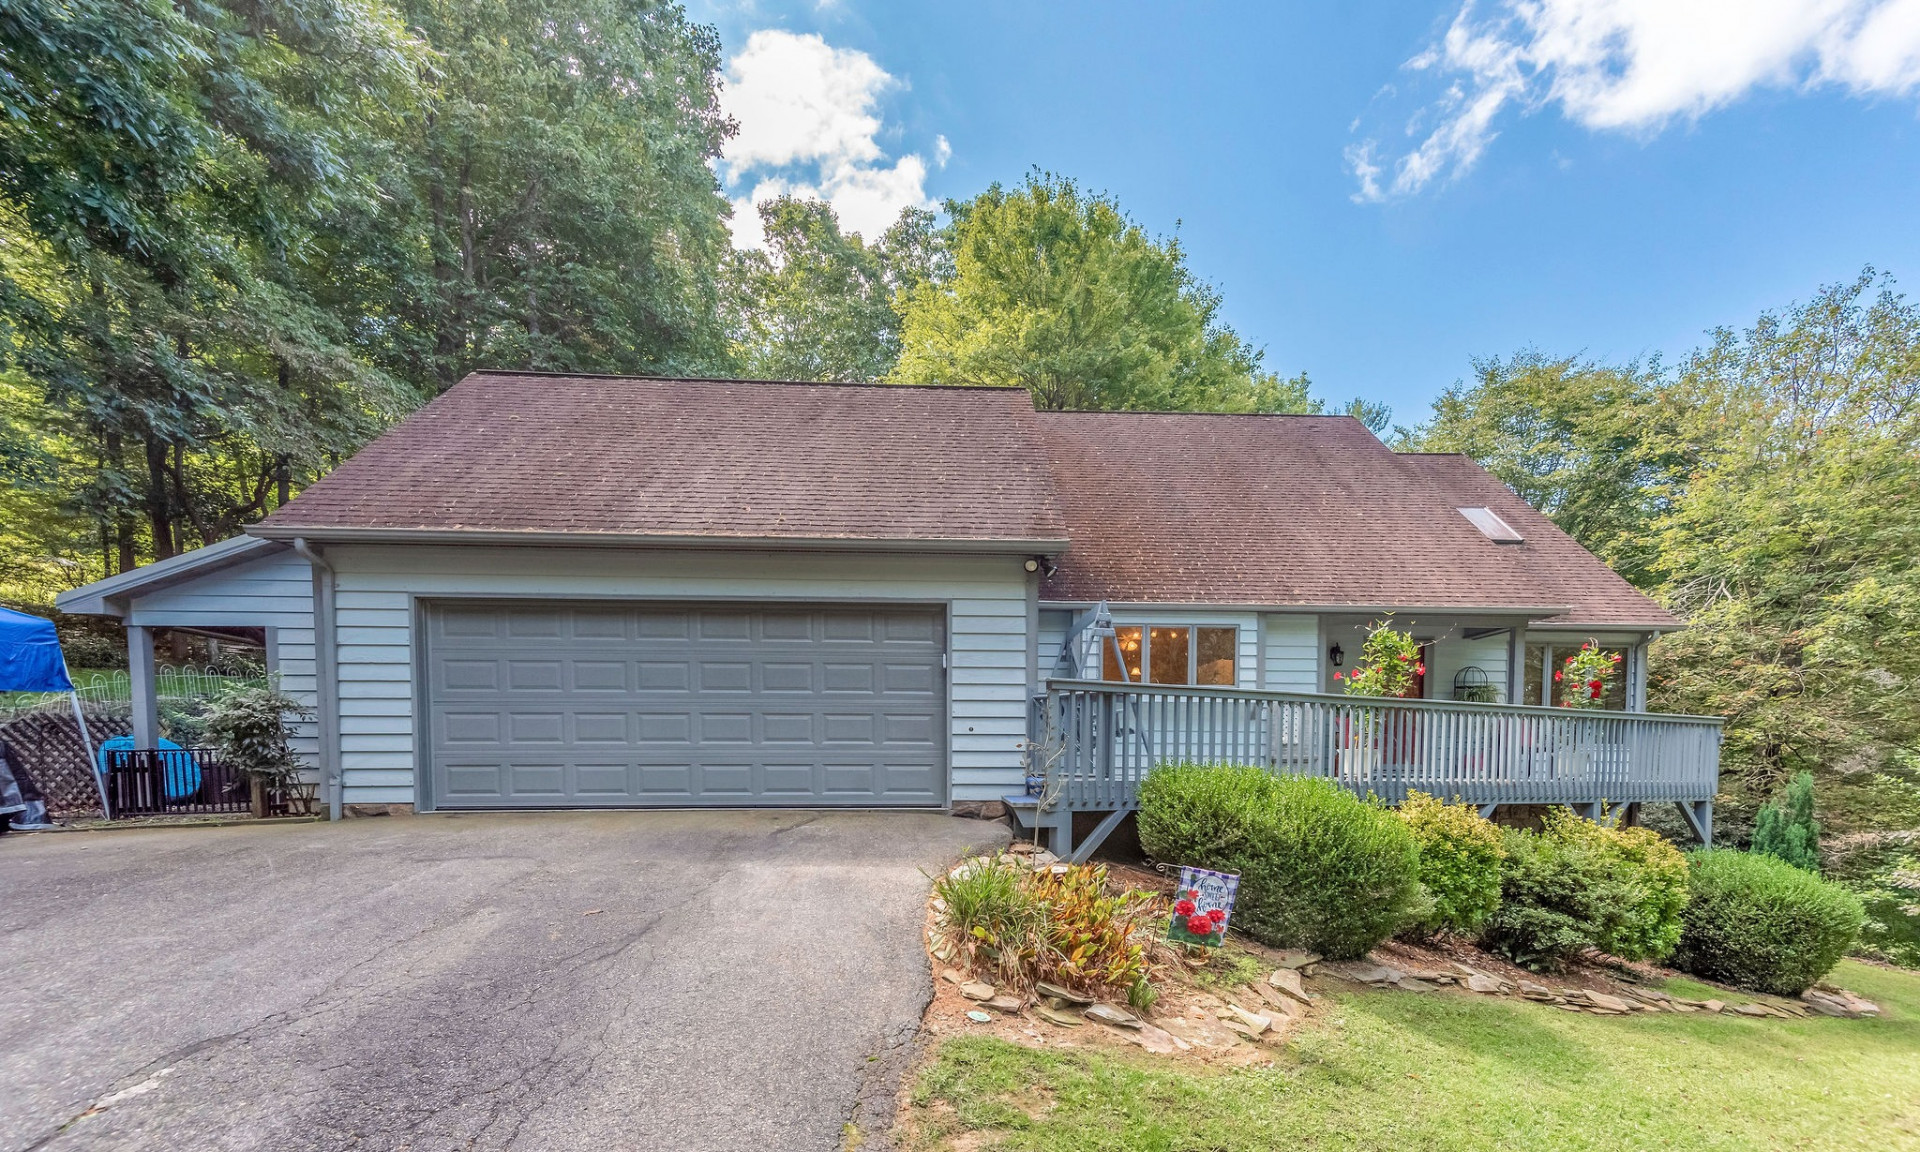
(558, 706)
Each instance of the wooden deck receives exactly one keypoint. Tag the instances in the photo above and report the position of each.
(1099, 739)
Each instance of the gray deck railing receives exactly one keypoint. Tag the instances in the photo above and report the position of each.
(1102, 738)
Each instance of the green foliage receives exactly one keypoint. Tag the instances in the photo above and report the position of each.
(1318, 867)
(1788, 831)
(818, 304)
(1389, 662)
(249, 725)
(1758, 922)
(1461, 854)
(1053, 289)
(1577, 885)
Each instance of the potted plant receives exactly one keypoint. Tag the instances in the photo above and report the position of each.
(1389, 666)
(249, 726)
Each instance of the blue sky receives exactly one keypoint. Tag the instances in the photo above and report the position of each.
(1384, 193)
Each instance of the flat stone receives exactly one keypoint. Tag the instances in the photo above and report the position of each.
(1288, 980)
(1253, 1020)
(1534, 991)
(1293, 959)
(1372, 974)
(1678, 1007)
(1158, 1041)
(1462, 971)
(1606, 1011)
(1489, 985)
(1610, 1003)
(1751, 1009)
(978, 990)
(1113, 1014)
(1055, 1016)
(1067, 994)
(1009, 1005)
(1414, 984)
(954, 976)
(1714, 1005)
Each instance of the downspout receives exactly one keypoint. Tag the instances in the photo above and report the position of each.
(326, 674)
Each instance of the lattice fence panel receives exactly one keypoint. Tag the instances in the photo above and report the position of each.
(47, 753)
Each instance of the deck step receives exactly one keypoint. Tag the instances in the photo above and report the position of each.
(1023, 807)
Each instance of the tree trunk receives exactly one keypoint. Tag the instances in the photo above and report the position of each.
(159, 514)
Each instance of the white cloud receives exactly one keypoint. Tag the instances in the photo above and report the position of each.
(809, 127)
(1636, 65)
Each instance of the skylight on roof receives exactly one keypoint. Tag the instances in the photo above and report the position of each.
(1492, 527)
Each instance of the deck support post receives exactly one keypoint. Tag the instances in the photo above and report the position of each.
(1487, 810)
(1699, 817)
(1098, 836)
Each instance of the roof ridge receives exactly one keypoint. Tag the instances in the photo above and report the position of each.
(544, 373)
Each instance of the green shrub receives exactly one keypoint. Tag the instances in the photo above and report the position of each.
(1460, 859)
(1756, 921)
(1577, 885)
(1788, 830)
(1319, 868)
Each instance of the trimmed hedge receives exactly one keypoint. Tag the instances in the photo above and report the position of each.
(1577, 885)
(1319, 868)
(1460, 863)
(1758, 922)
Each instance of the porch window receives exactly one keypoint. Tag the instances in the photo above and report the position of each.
(1172, 654)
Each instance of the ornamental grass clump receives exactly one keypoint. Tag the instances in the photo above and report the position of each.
(1461, 854)
(1319, 868)
(1576, 885)
(992, 917)
(1758, 922)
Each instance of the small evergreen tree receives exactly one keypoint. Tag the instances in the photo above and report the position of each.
(1789, 830)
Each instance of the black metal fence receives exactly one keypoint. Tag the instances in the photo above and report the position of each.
(175, 781)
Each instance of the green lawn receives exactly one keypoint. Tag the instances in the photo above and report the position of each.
(1394, 1070)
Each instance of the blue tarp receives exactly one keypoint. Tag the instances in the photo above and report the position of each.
(30, 655)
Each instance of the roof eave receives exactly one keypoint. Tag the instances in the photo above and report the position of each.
(1035, 546)
(110, 597)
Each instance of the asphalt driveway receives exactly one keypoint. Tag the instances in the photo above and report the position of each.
(666, 980)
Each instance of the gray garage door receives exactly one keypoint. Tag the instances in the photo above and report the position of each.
(621, 705)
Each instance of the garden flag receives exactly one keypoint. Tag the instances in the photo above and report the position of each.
(1202, 907)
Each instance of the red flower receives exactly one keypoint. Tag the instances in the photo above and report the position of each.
(1217, 915)
(1556, 677)
(1419, 669)
(1569, 659)
(1616, 657)
(1595, 693)
(1404, 657)
(1199, 926)
(1594, 684)
(1339, 675)
(1183, 907)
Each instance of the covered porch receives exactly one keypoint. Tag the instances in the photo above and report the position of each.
(1098, 739)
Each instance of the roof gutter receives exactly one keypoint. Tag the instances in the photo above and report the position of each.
(1042, 546)
(326, 666)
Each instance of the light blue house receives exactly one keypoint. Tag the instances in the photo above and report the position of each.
(569, 591)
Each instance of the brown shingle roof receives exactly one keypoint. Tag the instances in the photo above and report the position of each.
(1160, 507)
(1596, 594)
(1309, 510)
(529, 453)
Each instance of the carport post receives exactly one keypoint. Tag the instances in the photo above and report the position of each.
(146, 704)
(326, 669)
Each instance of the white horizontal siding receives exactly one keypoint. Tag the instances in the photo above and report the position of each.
(1054, 623)
(1293, 652)
(1449, 657)
(985, 598)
